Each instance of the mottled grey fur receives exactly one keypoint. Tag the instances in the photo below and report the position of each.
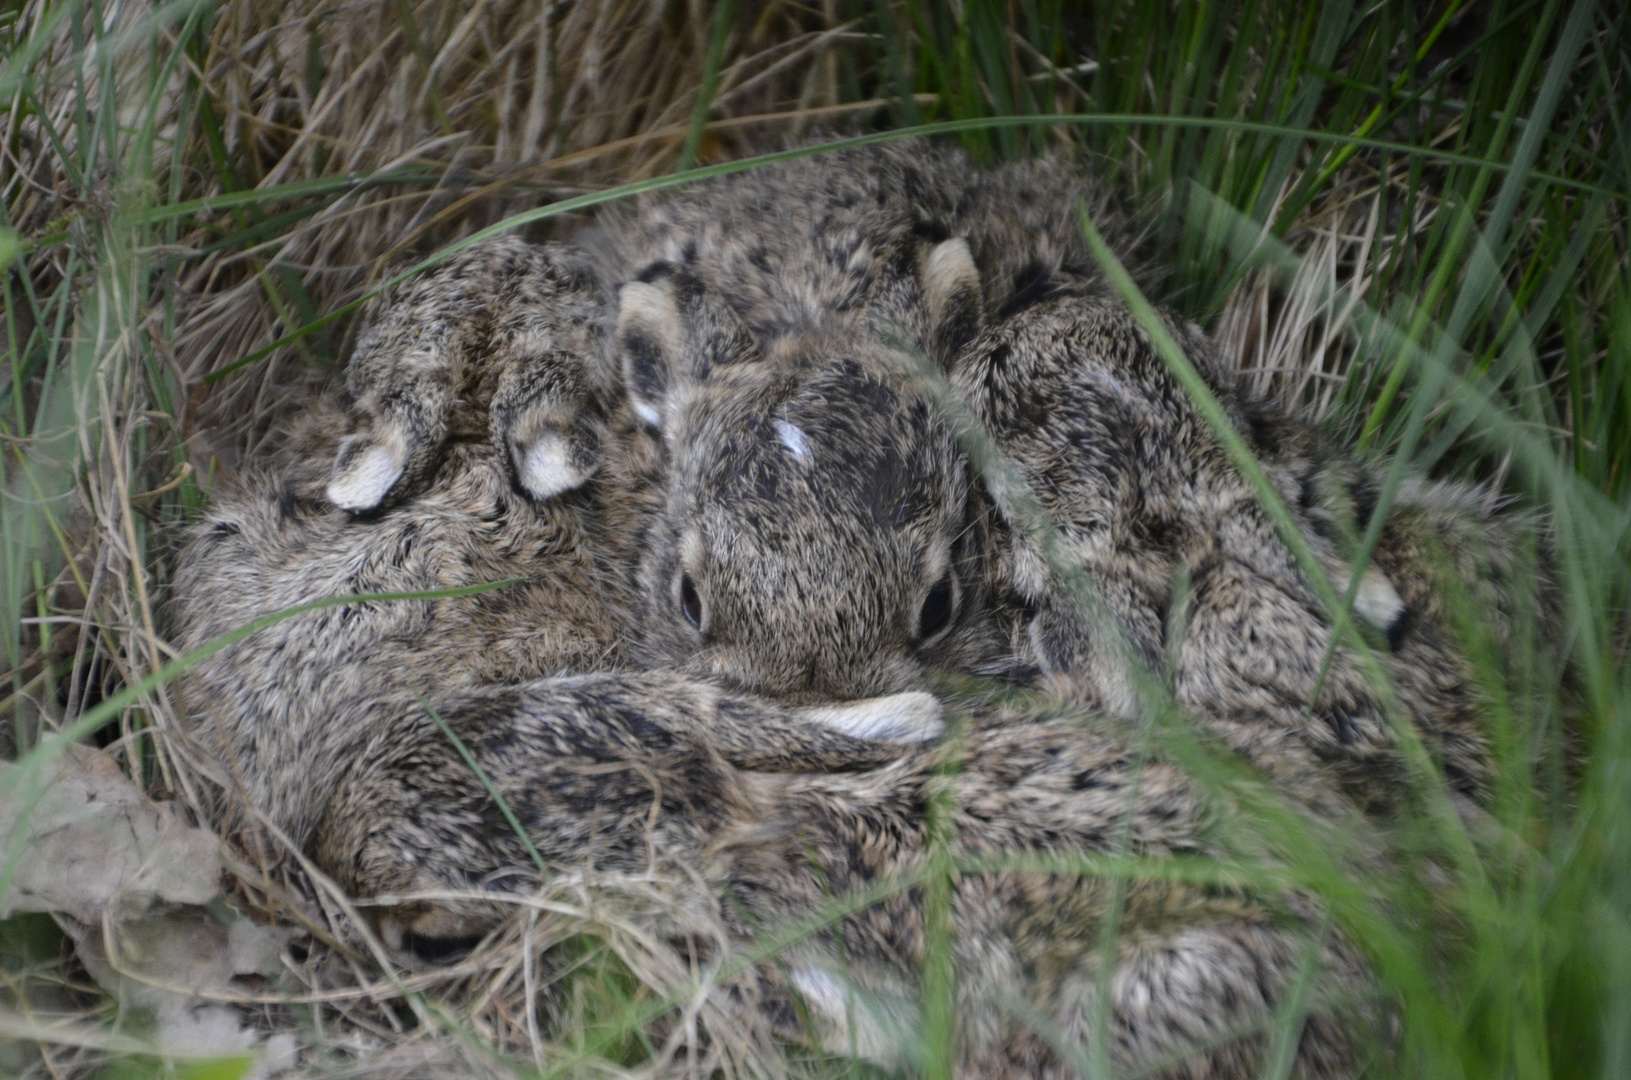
(269, 707)
(532, 316)
(802, 324)
(643, 772)
(802, 499)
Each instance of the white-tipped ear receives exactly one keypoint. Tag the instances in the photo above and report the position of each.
(949, 272)
(547, 465)
(648, 338)
(365, 470)
(1377, 602)
(951, 287)
(851, 1019)
(645, 303)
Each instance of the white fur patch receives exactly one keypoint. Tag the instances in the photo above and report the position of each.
(647, 304)
(792, 438)
(948, 272)
(1378, 603)
(822, 992)
(859, 259)
(851, 1019)
(546, 467)
(647, 413)
(368, 480)
(1031, 575)
(910, 717)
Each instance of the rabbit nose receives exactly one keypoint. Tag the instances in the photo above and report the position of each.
(815, 661)
(837, 681)
(856, 668)
(893, 676)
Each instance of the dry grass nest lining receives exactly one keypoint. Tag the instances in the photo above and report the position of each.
(517, 987)
(517, 104)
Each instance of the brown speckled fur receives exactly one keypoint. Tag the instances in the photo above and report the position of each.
(781, 301)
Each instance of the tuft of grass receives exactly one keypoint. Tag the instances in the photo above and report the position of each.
(1408, 220)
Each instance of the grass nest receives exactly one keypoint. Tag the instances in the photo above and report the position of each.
(198, 196)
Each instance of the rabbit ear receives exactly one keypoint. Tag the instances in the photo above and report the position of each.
(951, 286)
(367, 466)
(670, 333)
(648, 340)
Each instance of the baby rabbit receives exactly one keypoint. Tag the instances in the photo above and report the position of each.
(1145, 499)
(268, 707)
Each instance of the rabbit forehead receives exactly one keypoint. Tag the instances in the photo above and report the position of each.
(768, 476)
(838, 432)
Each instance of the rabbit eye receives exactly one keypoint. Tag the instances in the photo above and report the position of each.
(937, 609)
(690, 602)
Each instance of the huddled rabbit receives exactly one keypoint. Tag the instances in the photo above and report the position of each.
(748, 532)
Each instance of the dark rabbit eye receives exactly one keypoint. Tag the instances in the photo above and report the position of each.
(937, 609)
(690, 602)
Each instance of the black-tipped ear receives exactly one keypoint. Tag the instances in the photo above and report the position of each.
(712, 329)
(671, 332)
(951, 288)
(648, 340)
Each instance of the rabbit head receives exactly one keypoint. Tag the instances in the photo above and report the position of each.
(819, 537)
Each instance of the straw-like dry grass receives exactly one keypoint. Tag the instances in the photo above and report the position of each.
(192, 189)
